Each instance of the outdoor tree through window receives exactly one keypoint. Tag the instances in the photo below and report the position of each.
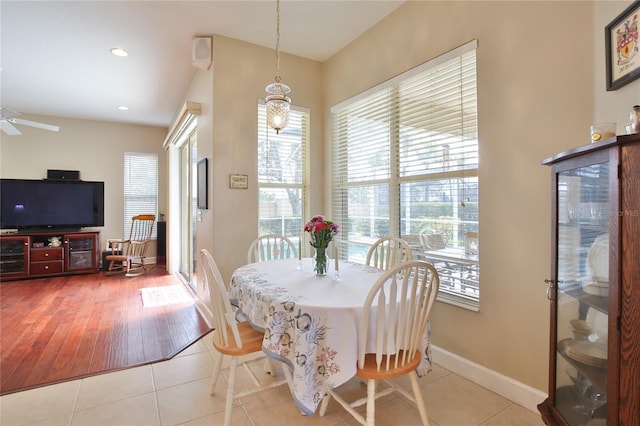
(283, 174)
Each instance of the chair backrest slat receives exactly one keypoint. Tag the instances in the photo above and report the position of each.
(222, 311)
(140, 234)
(404, 297)
(388, 252)
(271, 247)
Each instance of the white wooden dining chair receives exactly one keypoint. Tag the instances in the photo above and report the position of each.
(271, 247)
(388, 252)
(401, 301)
(231, 338)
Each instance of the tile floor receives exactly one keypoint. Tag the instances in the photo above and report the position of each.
(175, 392)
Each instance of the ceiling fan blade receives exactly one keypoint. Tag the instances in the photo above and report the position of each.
(9, 129)
(36, 124)
(7, 113)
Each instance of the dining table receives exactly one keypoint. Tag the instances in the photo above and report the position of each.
(310, 322)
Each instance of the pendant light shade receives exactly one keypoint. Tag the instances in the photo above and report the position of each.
(277, 101)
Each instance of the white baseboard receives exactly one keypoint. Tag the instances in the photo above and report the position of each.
(505, 386)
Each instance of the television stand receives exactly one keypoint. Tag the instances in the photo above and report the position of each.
(42, 253)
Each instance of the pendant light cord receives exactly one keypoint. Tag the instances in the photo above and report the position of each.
(277, 41)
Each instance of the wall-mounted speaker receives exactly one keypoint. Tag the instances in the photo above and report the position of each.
(201, 55)
(63, 174)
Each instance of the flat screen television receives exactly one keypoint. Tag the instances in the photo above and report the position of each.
(28, 204)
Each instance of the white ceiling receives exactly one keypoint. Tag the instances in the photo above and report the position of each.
(55, 56)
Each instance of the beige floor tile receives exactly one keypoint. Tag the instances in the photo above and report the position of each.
(393, 412)
(139, 410)
(435, 373)
(182, 398)
(195, 348)
(48, 402)
(356, 389)
(238, 418)
(450, 403)
(106, 388)
(257, 367)
(190, 401)
(478, 390)
(515, 415)
(389, 409)
(208, 342)
(57, 421)
(182, 369)
(276, 408)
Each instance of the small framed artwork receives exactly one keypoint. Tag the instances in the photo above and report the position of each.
(203, 178)
(622, 50)
(238, 181)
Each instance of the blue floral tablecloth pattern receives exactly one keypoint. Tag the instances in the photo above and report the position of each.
(317, 342)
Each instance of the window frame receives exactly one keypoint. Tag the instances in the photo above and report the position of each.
(130, 188)
(266, 134)
(465, 172)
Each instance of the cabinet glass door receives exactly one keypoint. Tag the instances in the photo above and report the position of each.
(13, 256)
(80, 252)
(583, 289)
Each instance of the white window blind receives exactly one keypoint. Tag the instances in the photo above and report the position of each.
(405, 164)
(140, 187)
(283, 174)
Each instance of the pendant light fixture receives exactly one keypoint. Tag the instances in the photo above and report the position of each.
(277, 101)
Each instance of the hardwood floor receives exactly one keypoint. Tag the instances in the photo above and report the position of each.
(63, 328)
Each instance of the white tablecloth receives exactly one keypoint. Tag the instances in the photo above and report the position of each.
(310, 322)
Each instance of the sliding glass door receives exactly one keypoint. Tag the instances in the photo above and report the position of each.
(188, 197)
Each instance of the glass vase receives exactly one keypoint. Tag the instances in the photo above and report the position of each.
(320, 261)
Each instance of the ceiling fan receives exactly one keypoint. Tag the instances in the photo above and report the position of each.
(8, 118)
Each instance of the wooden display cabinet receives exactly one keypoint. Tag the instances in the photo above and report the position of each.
(594, 287)
(37, 254)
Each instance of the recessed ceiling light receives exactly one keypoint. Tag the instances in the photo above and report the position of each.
(119, 52)
(123, 108)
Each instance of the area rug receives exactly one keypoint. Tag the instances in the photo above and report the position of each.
(164, 295)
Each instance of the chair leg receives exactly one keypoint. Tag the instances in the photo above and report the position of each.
(417, 395)
(324, 404)
(269, 367)
(217, 366)
(115, 267)
(230, 391)
(371, 402)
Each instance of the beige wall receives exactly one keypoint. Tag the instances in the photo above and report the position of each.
(535, 98)
(200, 90)
(240, 73)
(95, 148)
(610, 106)
(541, 83)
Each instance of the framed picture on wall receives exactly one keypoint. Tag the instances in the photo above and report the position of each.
(203, 178)
(622, 50)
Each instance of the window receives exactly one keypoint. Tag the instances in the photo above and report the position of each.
(405, 164)
(140, 186)
(283, 174)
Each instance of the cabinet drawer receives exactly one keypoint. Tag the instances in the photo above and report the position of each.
(51, 267)
(46, 254)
